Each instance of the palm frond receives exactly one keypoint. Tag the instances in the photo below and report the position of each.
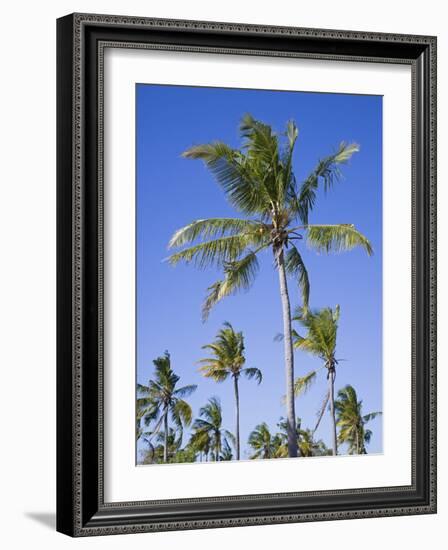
(294, 266)
(303, 383)
(185, 391)
(230, 437)
(326, 170)
(141, 388)
(371, 416)
(306, 344)
(181, 410)
(253, 372)
(238, 275)
(336, 238)
(216, 373)
(212, 253)
(232, 171)
(211, 228)
(261, 143)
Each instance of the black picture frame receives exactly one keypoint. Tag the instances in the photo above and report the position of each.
(81, 510)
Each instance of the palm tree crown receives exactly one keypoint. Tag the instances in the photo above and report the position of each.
(258, 181)
(263, 443)
(351, 421)
(210, 424)
(161, 400)
(227, 359)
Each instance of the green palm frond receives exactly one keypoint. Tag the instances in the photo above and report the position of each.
(213, 253)
(295, 266)
(216, 373)
(371, 416)
(213, 227)
(326, 170)
(253, 372)
(212, 411)
(229, 437)
(183, 411)
(336, 238)
(307, 344)
(143, 403)
(262, 153)
(303, 383)
(322, 326)
(202, 426)
(238, 275)
(185, 391)
(234, 174)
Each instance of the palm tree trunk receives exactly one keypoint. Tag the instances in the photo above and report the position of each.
(237, 413)
(289, 356)
(165, 427)
(357, 440)
(332, 411)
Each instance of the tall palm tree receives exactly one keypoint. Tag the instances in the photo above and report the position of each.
(351, 421)
(258, 180)
(320, 340)
(263, 443)
(161, 400)
(227, 359)
(210, 422)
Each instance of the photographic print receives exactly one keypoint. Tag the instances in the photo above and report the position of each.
(259, 274)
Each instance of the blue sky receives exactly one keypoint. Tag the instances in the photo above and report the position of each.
(172, 192)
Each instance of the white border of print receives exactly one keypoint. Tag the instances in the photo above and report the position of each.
(123, 481)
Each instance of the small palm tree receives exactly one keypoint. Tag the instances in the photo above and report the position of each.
(187, 454)
(156, 446)
(258, 180)
(210, 422)
(226, 451)
(228, 360)
(308, 446)
(263, 443)
(200, 440)
(351, 421)
(320, 340)
(161, 399)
